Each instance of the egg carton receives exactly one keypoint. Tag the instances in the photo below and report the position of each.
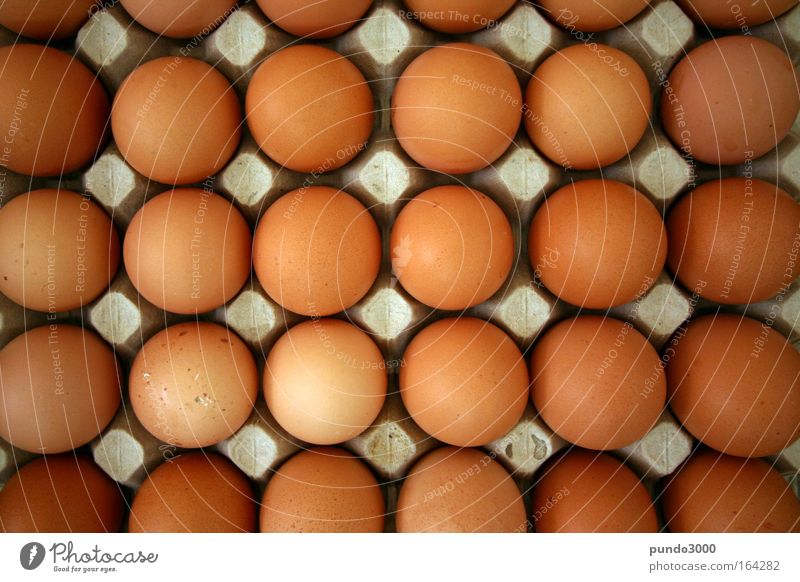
(383, 178)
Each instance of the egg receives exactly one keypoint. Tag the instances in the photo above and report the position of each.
(597, 382)
(730, 100)
(179, 18)
(51, 20)
(309, 109)
(591, 15)
(193, 384)
(458, 16)
(61, 494)
(713, 493)
(735, 240)
(325, 381)
(464, 381)
(322, 490)
(54, 111)
(456, 108)
(587, 106)
(188, 251)
(59, 388)
(452, 247)
(729, 15)
(588, 492)
(60, 250)
(597, 243)
(194, 493)
(458, 491)
(317, 251)
(734, 383)
(315, 18)
(176, 120)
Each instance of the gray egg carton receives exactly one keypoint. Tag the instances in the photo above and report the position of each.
(383, 178)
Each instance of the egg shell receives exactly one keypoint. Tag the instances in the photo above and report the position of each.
(309, 108)
(458, 16)
(176, 120)
(60, 250)
(179, 18)
(54, 108)
(324, 489)
(731, 99)
(315, 18)
(188, 251)
(59, 388)
(734, 240)
(317, 251)
(61, 494)
(464, 381)
(597, 382)
(590, 15)
(325, 381)
(193, 384)
(452, 247)
(714, 493)
(196, 493)
(457, 491)
(742, 15)
(587, 106)
(734, 383)
(456, 108)
(587, 492)
(597, 243)
(51, 20)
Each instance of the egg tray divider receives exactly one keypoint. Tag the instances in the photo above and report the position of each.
(383, 178)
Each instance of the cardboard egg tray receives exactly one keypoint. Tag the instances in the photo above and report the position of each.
(383, 177)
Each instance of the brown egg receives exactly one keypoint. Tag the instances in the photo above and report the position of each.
(464, 381)
(591, 15)
(193, 384)
(713, 493)
(587, 106)
(179, 18)
(730, 100)
(51, 20)
(315, 18)
(452, 247)
(735, 240)
(321, 490)
(59, 388)
(456, 108)
(460, 490)
(743, 15)
(597, 382)
(325, 381)
(195, 493)
(597, 243)
(458, 16)
(53, 108)
(317, 251)
(61, 494)
(309, 108)
(188, 251)
(176, 120)
(60, 250)
(734, 383)
(585, 492)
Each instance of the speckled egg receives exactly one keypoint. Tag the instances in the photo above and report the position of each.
(193, 384)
